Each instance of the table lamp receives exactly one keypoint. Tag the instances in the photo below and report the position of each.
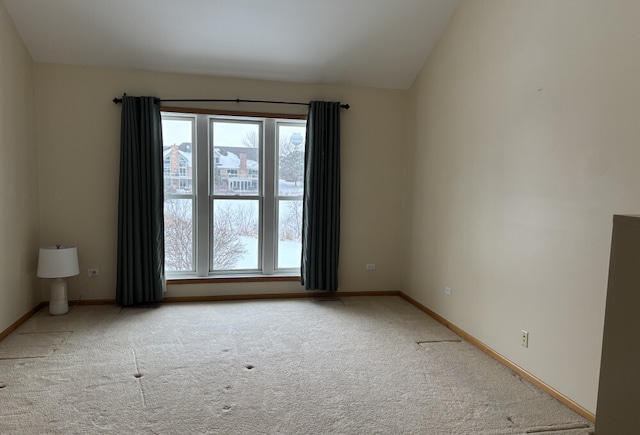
(58, 262)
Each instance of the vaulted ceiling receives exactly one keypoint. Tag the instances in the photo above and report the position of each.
(373, 43)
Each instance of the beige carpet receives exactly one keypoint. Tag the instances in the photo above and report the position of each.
(362, 365)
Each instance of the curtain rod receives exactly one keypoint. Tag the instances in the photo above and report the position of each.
(237, 100)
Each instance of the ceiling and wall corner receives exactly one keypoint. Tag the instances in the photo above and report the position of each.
(369, 43)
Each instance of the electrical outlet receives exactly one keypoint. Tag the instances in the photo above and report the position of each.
(447, 291)
(524, 338)
(371, 266)
(93, 272)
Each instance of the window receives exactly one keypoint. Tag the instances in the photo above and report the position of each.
(233, 190)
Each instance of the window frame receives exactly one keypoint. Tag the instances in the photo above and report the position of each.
(181, 195)
(203, 196)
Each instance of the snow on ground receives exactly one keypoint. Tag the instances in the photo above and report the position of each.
(288, 188)
(288, 254)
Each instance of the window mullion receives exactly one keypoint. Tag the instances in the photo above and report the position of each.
(269, 230)
(202, 208)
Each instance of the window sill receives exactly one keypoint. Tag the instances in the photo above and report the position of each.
(232, 279)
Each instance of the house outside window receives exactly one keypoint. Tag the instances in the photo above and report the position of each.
(233, 194)
(177, 168)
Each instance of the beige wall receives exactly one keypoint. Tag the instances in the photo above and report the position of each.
(18, 177)
(526, 125)
(79, 131)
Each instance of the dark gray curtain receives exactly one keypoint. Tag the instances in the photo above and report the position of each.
(140, 205)
(321, 208)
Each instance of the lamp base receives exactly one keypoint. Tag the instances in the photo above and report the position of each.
(58, 297)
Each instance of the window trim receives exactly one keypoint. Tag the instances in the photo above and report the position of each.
(191, 196)
(232, 279)
(200, 111)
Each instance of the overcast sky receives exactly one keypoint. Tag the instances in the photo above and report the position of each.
(228, 134)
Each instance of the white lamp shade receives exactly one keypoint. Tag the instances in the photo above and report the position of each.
(58, 262)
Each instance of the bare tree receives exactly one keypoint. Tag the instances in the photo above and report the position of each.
(245, 217)
(291, 160)
(291, 220)
(227, 246)
(250, 139)
(178, 235)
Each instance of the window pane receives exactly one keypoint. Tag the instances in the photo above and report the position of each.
(177, 137)
(178, 235)
(291, 159)
(236, 158)
(289, 234)
(235, 234)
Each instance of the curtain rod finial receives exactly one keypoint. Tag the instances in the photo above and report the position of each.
(119, 100)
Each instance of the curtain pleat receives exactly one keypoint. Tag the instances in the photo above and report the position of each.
(140, 262)
(321, 208)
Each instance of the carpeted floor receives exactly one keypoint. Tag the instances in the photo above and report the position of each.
(361, 365)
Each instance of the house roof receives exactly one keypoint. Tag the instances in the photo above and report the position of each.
(166, 152)
(231, 159)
